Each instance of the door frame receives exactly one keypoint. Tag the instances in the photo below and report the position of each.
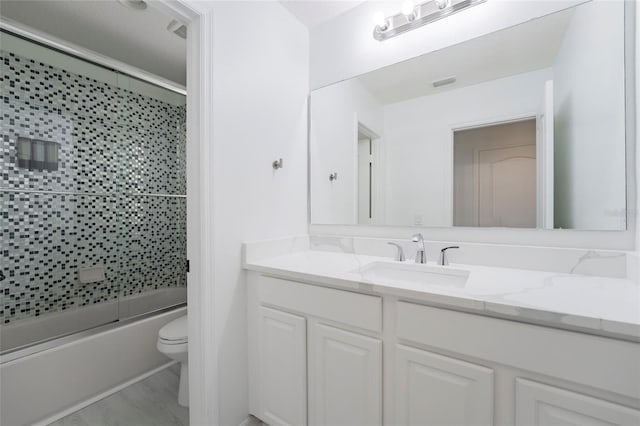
(203, 357)
(544, 158)
(375, 191)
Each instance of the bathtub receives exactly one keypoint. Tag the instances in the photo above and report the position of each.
(47, 381)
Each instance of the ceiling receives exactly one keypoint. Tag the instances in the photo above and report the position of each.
(138, 38)
(313, 13)
(526, 47)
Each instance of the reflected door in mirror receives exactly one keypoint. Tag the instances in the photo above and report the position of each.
(495, 175)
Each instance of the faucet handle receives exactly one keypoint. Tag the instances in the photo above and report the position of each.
(443, 255)
(399, 253)
(417, 238)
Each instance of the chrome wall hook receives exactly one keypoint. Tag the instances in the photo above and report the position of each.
(277, 164)
(333, 176)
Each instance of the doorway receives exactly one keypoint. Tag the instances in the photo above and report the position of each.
(368, 174)
(495, 175)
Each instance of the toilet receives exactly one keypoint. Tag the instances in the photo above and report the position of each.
(172, 341)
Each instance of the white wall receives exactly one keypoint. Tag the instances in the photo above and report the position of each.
(590, 112)
(419, 146)
(260, 87)
(344, 47)
(336, 112)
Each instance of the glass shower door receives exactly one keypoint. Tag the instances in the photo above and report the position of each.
(58, 223)
(151, 198)
(92, 195)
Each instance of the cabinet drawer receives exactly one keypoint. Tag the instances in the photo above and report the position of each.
(354, 309)
(600, 362)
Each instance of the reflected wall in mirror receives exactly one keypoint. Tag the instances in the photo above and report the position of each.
(524, 127)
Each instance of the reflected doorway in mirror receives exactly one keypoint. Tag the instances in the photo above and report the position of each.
(368, 175)
(495, 175)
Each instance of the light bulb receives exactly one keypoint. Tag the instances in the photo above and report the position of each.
(380, 21)
(442, 3)
(408, 10)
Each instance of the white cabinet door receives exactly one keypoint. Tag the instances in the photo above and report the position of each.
(283, 368)
(544, 405)
(436, 390)
(345, 378)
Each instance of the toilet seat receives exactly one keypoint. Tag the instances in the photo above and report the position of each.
(175, 332)
(173, 342)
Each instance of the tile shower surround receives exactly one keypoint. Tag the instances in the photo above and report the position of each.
(115, 147)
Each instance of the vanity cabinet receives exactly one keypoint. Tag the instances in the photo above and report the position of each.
(432, 389)
(282, 367)
(315, 347)
(536, 358)
(326, 356)
(345, 378)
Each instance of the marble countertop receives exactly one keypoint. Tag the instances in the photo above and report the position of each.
(604, 306)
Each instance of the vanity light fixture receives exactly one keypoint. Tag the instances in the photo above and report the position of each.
(380, 21)
(411, 17)
(408, 10)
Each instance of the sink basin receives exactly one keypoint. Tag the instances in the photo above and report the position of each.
(411, 273)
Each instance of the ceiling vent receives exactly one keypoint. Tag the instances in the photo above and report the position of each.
(178, 28)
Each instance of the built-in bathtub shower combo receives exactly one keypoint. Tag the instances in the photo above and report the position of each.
(92, 195)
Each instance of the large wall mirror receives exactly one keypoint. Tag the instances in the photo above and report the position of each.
(524, 127)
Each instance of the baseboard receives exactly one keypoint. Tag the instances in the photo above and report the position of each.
(105, 394)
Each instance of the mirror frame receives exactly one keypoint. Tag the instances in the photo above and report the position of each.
(612, 240)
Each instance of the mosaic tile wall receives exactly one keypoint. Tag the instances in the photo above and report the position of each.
(116, 147)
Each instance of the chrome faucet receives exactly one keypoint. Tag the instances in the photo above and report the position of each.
(421, 256)
(399, 252)
(443, 261)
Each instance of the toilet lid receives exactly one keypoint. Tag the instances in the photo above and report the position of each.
(176, 330)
